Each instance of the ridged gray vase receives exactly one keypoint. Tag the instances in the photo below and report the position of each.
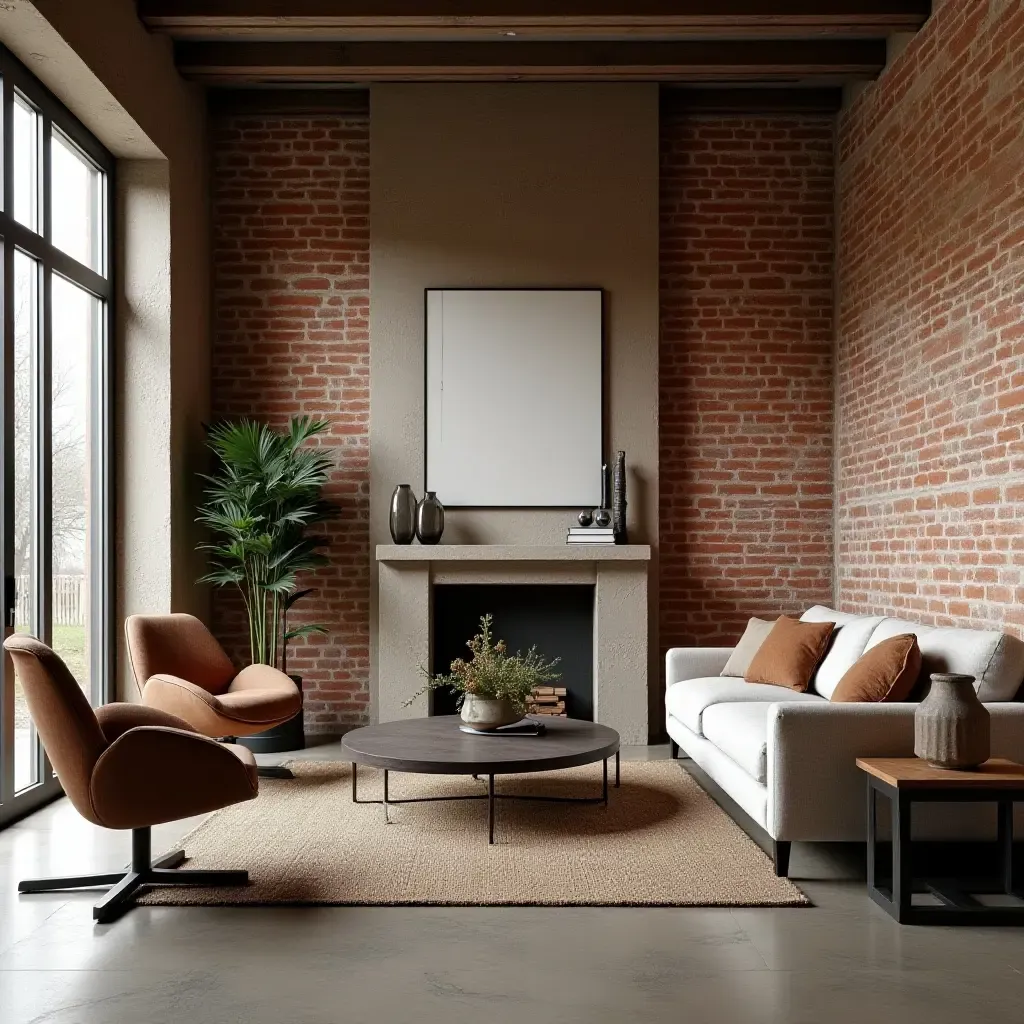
(952, 728)
(429, 519)
(402, 517)
(619, 498)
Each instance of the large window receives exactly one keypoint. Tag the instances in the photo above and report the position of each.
(55, 524)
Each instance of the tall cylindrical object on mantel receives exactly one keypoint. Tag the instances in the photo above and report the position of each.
(606, 491)
(619, 498)
(402, 517)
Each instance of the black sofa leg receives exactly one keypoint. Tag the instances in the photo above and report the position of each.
(780, 854)
(674, 747)
(143, 873)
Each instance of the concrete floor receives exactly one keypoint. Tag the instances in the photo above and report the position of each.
(841, 961)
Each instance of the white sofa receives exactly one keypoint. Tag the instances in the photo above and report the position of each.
(787, 758)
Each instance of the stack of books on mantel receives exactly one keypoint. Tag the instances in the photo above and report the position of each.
(547, 700)
(590, 535)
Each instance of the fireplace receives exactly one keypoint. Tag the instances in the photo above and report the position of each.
(608, 584)
(558, 618)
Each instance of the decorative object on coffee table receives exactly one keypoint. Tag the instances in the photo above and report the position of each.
(438, 746)
(952, 728)
(402, 517)
(429, 519)
(909, 780)
(619, 498)
(495, 687)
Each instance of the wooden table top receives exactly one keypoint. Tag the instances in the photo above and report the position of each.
(436, 746)
(914, 773)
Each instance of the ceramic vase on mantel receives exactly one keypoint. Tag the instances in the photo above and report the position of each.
(952, 728)
(619, 498)
(429, 519)
(487, 713)
(402, 517)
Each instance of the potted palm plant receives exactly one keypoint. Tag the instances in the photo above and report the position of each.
(259, 503)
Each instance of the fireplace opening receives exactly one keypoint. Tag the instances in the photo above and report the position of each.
(556, 618)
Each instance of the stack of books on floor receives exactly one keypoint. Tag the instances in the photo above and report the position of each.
(590, 535)
(548, 700)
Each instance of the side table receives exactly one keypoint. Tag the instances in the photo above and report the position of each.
(907, 780)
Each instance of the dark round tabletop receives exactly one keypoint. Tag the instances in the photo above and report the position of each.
(436, 746)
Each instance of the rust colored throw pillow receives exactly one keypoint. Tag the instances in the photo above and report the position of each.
(888, 672)
(790, 654)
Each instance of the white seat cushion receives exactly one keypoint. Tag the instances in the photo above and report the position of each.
(686, 701)
(740, 731)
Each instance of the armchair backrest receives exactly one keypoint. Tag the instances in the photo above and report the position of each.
(178, 645)
(63, 717)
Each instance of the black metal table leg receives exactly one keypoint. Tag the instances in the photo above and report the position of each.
(616, 769)
(604, 781)
(387, 814)
(872, 838)
(355, 769)
(902, 886)
(1006, 842)
(490, 810)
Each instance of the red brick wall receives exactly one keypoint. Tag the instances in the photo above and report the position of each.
(745, 371)
(291, 256)
(930, 329)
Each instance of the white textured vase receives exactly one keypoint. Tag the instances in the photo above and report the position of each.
(485, 713)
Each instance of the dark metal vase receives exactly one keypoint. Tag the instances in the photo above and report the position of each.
(619, 498)
(429, 519)
(402, 519)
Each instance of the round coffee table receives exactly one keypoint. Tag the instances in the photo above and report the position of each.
(436, 746)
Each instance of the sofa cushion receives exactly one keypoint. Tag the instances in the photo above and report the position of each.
(750, 643)
(740, 731)
(849, 641)
(791, 653)
(686, 701)
(996, 660)
(888, 672)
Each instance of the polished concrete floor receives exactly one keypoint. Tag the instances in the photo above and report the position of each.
(840, 961)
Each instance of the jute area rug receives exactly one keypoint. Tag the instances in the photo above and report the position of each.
(662, 841)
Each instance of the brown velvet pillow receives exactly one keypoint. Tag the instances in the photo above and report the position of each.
(887, 672)
(790, 654)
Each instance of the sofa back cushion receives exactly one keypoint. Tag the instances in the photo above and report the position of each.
(888, 672)
(790, 654)
(849, 642)
(996, 660)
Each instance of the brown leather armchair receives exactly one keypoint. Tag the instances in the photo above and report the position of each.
(180, 668)
(127, 766)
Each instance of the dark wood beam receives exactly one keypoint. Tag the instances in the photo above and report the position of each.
(766, 60)
(538, 19)
(349, 102)
(685, 101)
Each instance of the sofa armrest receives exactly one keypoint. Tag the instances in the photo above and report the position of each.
(694, 662)
(816, 790)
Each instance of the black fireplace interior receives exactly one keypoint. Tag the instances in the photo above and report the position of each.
(558, 619)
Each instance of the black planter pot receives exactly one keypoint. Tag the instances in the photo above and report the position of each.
(290, 735)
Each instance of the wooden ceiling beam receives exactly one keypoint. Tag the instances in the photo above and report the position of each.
(767, 60)
(537, 19)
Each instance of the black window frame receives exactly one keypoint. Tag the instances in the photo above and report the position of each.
(53, 114)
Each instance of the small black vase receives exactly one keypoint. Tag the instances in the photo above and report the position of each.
(429, 519)
(402, 519)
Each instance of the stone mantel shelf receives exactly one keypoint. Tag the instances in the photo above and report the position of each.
(513, 553)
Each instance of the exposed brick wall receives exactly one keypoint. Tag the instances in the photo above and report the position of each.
(930, 329)
(291, 289)
(745, 371)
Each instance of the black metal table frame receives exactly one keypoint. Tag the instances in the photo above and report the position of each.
(957, 906)
(490, 796)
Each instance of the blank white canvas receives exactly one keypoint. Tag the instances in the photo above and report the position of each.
(514, 397)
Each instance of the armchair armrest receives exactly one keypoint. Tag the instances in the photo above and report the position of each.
(151, 774)
(815, 789)
(694, 662)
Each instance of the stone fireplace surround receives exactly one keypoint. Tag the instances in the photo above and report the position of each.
(619, 573)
